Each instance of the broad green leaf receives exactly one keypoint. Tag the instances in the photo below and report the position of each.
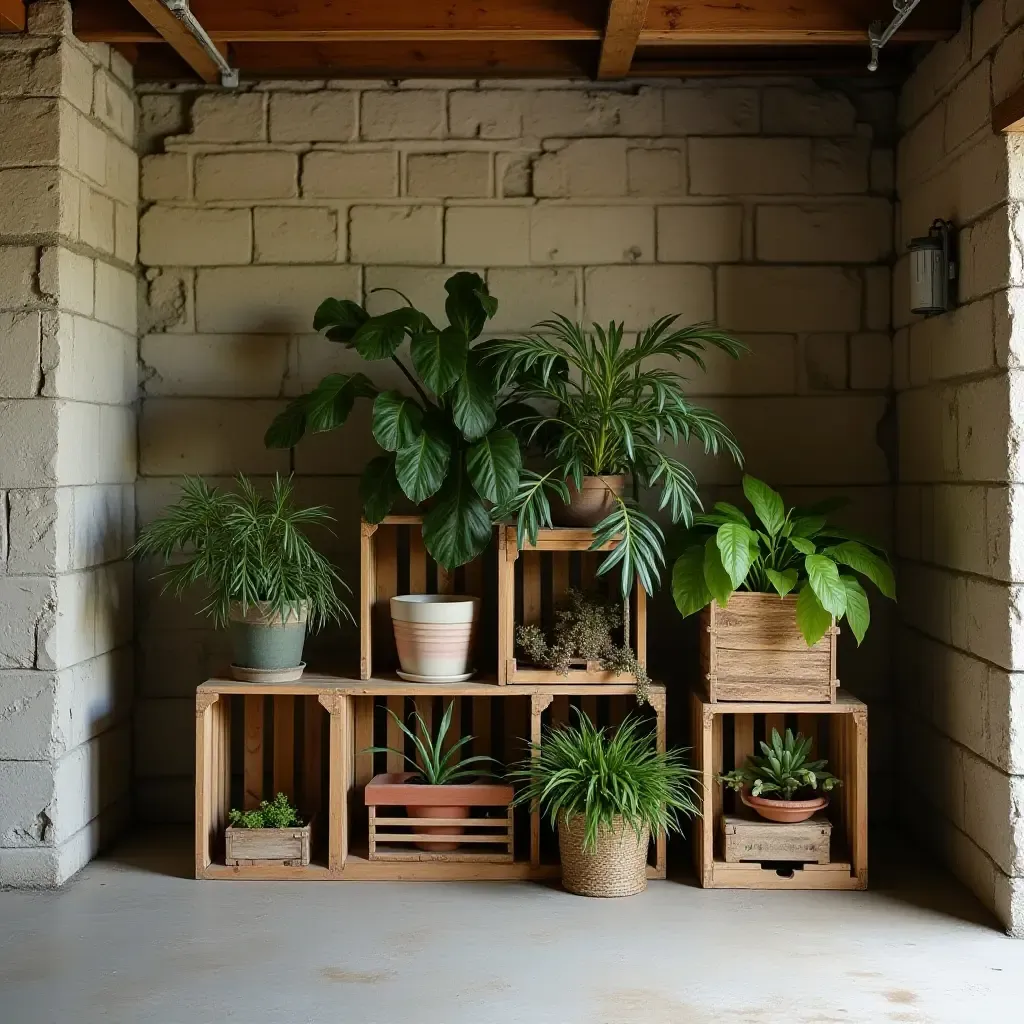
(473, 408)
(493, 464)
(783, 582)
(378, 488)
(421, 467)
(730, 511)
(823, 575)
(766, 503)
(288, 427)
(715, 576)
(803, 545)
(734, 547)
(341, 318)
(807, 526)
(865, 561)
(858, 611)
(397, 420)
(380, 336)
(457, 527)
(330, 402)
(812, 619)
(465, 305)
(440, 357)
(689, 589)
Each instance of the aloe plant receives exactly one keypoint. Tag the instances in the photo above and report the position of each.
(783, 770)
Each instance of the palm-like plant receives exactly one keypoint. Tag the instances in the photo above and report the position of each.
(597, 406)
(783, 770)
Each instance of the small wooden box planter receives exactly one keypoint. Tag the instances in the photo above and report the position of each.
(747, 839)
(560, 559)
(289, 847)
(753, 650)
(392, 837)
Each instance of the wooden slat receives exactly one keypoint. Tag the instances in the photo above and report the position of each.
(12, 16)
(808, 725)
(425, 707)
(482, 726)
(362, 738)
(385, 582)
(312, 756)
(743, 739)
(284, 746)
(622, 32)
(252, 764)
(455, 727)
(367, 591)
(1008, 115)
(396, 738)
(417, 562)
(774, 720)
(531, 588)
(204, 779)
(178, 37)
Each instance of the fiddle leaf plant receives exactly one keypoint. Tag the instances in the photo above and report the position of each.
(782, 551)
(441, 441)
(783, 771)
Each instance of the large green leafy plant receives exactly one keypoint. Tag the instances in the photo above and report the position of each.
(606, 407)
(443, 441)
(784, 551)
(783, 771)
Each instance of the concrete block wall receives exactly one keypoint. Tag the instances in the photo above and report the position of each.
(68, 380)
(959, 506)
(766, 206)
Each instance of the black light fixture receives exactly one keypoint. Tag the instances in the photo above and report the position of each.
(933, 270)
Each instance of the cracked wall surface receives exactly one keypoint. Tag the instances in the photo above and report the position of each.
(68, 347)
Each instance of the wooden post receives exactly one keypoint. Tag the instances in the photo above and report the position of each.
(252, 767)
(657, 701)
(312, 757)
(284, 746)
(337, 705)
(538, 702)
(205, 701)
(396, 738)
(367, 591)
(508, 552)
(859, 801)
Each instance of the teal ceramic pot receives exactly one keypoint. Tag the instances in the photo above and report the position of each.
(264, 644)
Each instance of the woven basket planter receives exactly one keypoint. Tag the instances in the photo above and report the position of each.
(616, 867)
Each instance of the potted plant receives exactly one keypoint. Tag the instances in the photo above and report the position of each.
(434, 788)
(770, 593)
(272, 833)
(603, 414)
(265, 580)
(785, 772)
(606, 792)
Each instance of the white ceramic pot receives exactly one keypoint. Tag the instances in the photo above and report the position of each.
(434, 635)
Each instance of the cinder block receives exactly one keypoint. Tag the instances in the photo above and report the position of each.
(161, 115)
(712, 110)
(1004, 532)
(571, 113)
(126, 232)
(403, 114)
(116, 297)
(490, 114)
(858, 232)
(586, 167)
(788, 299)
(639, 295)
(29, 603)
(1008, 65)
(228, 365)
(591, 234)
(35, 203)
(998, 833)
(768, 367)
(969, 106)
(528, 295)
(458, 175)
(513, 174)
(396, 234)
(165, 176)
(806, 111)
(958, 524)
(841, 166)
(18, 265)
(186, 237)
(487, 236)
(985, 255)
(990, 441)
(88, 361)
(877, 298)
(268, 175)
(96, 223)
(423, 285)
(228, 117)
(656, 171)
(928, 435)
(871, 361)
(956, 344)
(325, 116)
(19, 355)
(294, 234)
(824, 361)
(114, 106)
(29, 453)
(362, 175)
(122, 171)
(700, 234)
(754, 166)
(32, 132)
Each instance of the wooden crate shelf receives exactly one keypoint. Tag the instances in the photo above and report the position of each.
(314, 752)
(724, 734)
(532, 582)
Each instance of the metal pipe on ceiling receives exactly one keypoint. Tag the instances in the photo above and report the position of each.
(181, 10)
(878, 37)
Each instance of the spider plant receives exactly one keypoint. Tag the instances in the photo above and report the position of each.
(435, 766)
(599, 406)
(783, 770)
(603, 775)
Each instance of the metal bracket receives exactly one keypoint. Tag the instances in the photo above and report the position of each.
(180, 9)
(878, 37)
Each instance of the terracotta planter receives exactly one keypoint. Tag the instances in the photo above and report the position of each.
(587, 507)
(266, 647)
(617, 866)
(434, 636)
(785, 811)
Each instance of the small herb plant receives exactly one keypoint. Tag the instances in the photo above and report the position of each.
(602, 774)
(786, 550)
(276, 814)
(435, 767)
(783, 770)
(602, 408)
(584, 630)
(248, 549)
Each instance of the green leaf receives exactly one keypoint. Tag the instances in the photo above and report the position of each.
(494, 463)
(328, 405)
(380, 336)
(807, 526)
(397, 420)
(468, 303)
(866, 562)
(766, 502)
(378, 488)
(421, 467)
(823, 576)
(734, 546)
(457, 528)
(730, 511)
(803, 545)
(474, 405)
(858, 611)
(715, 576)
(288, 427)
(341, 318)
(783, 582)
(689, 589)
(440, 357)
(812, 619)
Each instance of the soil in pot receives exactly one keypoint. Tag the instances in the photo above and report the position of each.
(434, 636)
(589, 505)
(267, 647)
(784, 811)
(617, 866)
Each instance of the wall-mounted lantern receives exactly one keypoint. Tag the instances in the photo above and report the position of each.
(933, 270)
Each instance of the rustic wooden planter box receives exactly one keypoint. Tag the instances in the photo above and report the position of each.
(491, 839)
(289, 847)
(753, 650)
(804, 842)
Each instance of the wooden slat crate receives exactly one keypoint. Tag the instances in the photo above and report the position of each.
(753, 650)
(724, 735)
(253, 847)
(751, 839)
(393, 561)
(532, 584)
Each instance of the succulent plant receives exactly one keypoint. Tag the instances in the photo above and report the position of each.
(783, 771)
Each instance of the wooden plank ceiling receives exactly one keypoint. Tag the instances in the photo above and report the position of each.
(512, 38)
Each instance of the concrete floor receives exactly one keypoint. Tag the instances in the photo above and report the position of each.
(133, 940)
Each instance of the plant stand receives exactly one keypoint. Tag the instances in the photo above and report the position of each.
(749, 839)
(259, 847)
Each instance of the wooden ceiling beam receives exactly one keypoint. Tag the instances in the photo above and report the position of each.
(621, 35)
(178, 37)
(12, 16)
(1008, 115)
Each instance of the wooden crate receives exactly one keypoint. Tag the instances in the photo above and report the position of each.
(532, 583)
(750, 839)
(724, 735)
(393, 561)
(753, 650)
(290, 847)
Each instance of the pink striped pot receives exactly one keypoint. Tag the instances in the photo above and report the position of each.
(434, 634)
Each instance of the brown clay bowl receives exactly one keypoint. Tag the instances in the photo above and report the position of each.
(784, 811)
